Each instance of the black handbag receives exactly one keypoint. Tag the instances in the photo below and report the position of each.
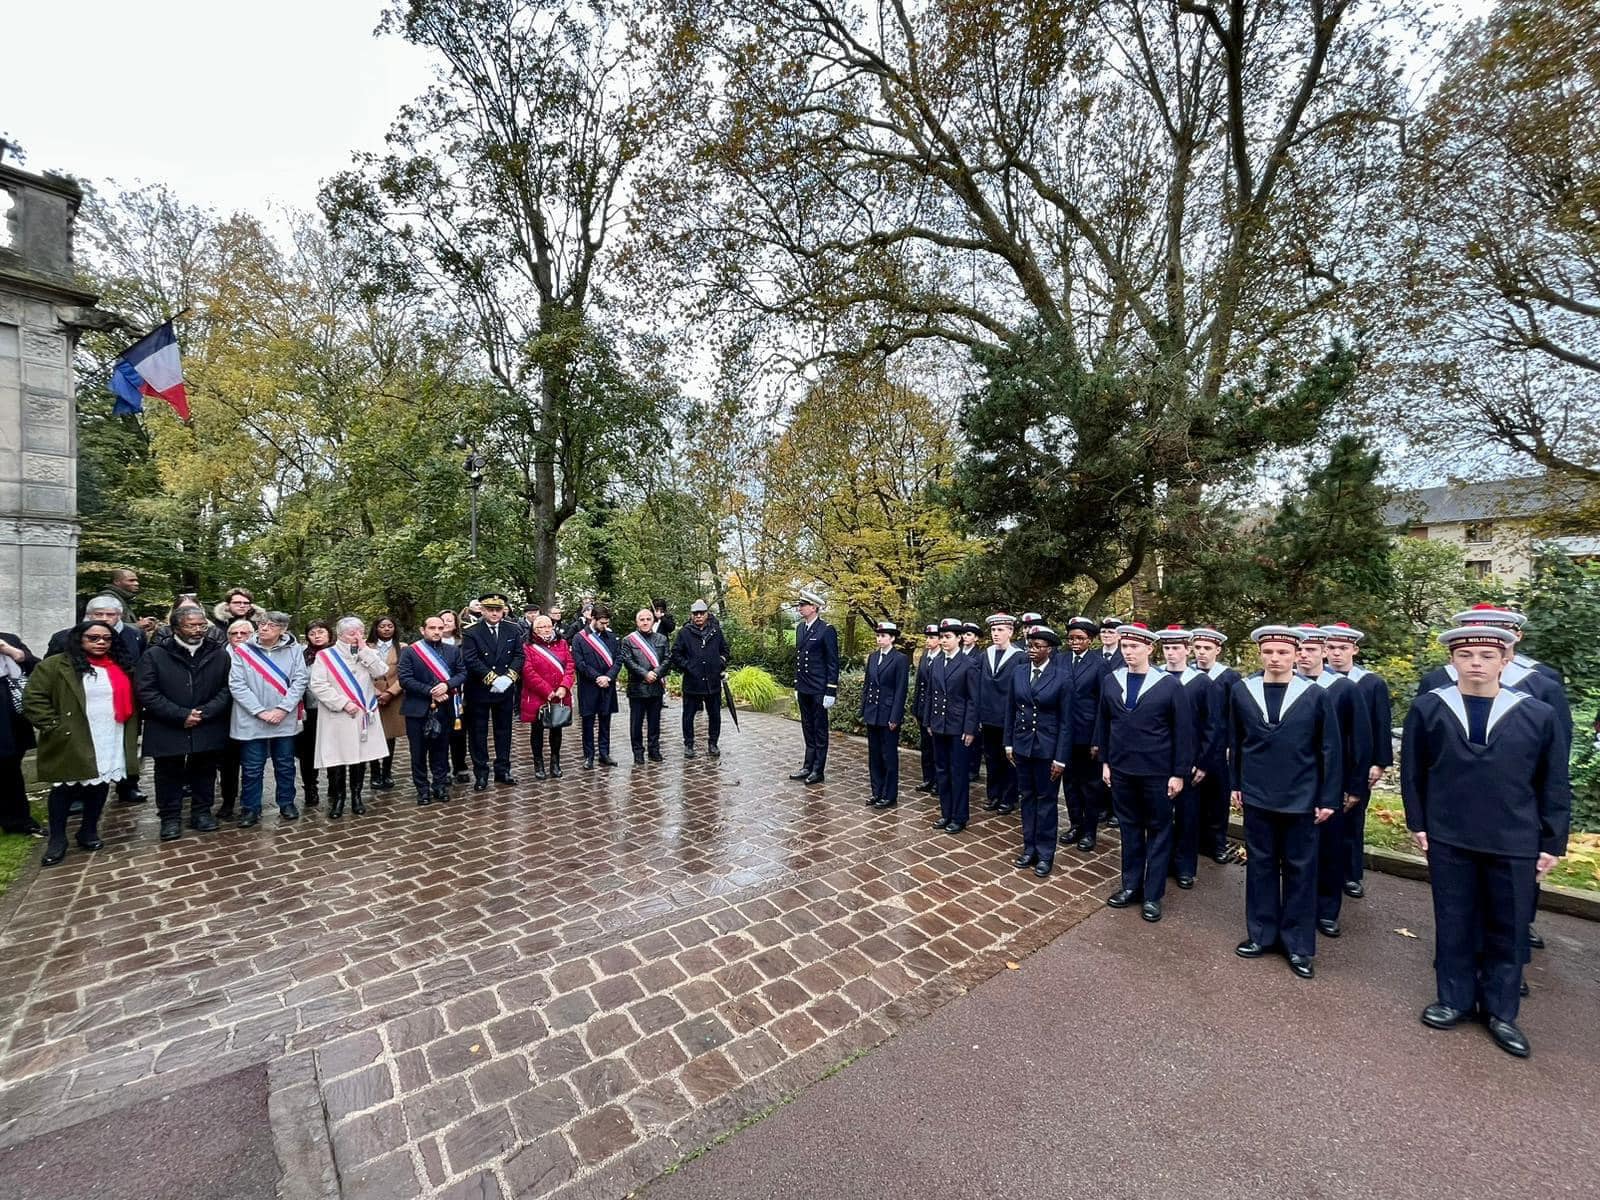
(432, 728)
(555, 716)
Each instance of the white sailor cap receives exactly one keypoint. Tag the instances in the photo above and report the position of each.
(1206, 633)
(1138, 631)
(1477, 635)
(1173, 633)
(1276, 633)
(1490, 614)
(1342, 631)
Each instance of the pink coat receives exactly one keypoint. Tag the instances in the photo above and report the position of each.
(540, 677)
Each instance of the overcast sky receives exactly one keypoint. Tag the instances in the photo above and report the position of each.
(233, 105)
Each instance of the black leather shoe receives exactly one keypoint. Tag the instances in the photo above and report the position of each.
(1072, 834)
(383, 784)
(1355, 889)
(1328, 928)
(1301, 966)
(440, 794)
(588, 764)
(656, 756)
(288, 813)
(1025, 860)
(249, 820)
(638, 760)
(171, 829)
(1249, 949)
(510, 780)
(955, 827)
(1121, 899)
(54, 852)
(424, 797)
(941, 823)
(1186, 882)
(1535, 942)
(358, 806)
(1442, 1016)
(538, 770)
(1522, 988)
(605, 760)
(1222, 858)
(555, 768)
(1509, 1038)
(992, 806)
(815, 778)
(481, 783)
(1005, 810)
(312, 799)
(1087, 842)
(690, 752)
(461, 777)
(886, 802)
(204, 822)
(803, 773)
(714, 750)
(1042, 870)
(873, 803)
(1150, 910)
(926, 787)
(225, 812)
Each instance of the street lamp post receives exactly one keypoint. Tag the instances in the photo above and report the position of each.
(474, 469)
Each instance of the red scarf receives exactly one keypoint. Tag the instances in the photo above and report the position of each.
(121, 689)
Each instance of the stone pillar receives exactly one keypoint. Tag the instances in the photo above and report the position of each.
(42, 308)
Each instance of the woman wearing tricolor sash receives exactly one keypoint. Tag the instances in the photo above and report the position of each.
(344, 682)
(548, 677)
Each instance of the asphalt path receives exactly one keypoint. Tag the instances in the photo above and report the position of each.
(1131, 1060)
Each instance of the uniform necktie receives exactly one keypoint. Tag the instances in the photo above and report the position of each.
(1035, 680)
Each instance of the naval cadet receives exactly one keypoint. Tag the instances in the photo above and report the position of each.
(1483, 774)
(1110, 643)
(953, 721)
(1342, 646)
(1336, 643)
(1207, 644)
(1038, 743)
(1210, 754)
(816, 684)
(971, 631)
(491, 650)
(1284, 754)
(1145, 733)
(597, 655)
(997, 665)
(883, 709)
(919, 707)
(1085, 668)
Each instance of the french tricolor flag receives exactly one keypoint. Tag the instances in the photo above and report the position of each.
(150, 367)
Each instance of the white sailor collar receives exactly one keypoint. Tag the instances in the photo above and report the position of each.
(1298, 686)
(1504, 701)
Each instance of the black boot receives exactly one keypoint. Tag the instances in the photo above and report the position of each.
(312, 796)
(336, 793)
(60, 804)
(383, 775)
(441, 793)
(538, 766)
(89, 828)
(480, 781)
(555, 764)
(225, 811)
(358, 780)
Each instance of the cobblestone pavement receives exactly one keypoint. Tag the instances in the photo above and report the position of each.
(556, 989)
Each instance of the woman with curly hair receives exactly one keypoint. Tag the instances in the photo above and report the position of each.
(84, 705)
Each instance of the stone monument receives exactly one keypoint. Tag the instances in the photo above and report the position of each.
(42, 310)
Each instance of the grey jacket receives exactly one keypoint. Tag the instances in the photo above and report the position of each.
(253, 695)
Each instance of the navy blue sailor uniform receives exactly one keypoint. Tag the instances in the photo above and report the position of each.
(1207, 706)
(1145, 732)
(430, 757)
(491, 652)
(1354, 716)
(919, 709)
(883, 708)
(1038, 733)
(596, 655)
(1086, 791)
(952, 715)
(1284, 755)
(816, 676)
(996, 671)
(1213, 789)
(1380, 710)
(1486, 780)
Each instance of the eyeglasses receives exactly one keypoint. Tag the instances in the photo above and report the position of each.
(97, 637)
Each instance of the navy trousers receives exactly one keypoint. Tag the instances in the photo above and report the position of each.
(1333, 863)
(1144, 816)
(644, 724)
(482, 713)
(1000, 777)
(950, 760)
(1084, 790)
(1211, 794)
(692, 704)
(1280, 879)
(1186, 832)
(814, 728)
(1481, 904)
(1041, 807)
(594, 737)
(430, 757)
(883, 761)
(1355, 839)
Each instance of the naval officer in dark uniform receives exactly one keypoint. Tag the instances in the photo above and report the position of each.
(1284, 753)
(997, 664)
(883, 709)
(1085, 668)
(1038, 743)
(491, 651)
(816, 684)
(1146, 737)
(919, 707)
(1483, 774)
(953, 720)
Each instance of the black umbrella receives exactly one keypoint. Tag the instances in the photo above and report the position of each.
(727, 694)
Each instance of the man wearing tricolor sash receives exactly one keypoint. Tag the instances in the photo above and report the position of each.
(644, 654)
(431, 675)
(597, 654)
(268, 682)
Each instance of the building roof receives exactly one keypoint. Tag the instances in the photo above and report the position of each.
(1483, 500)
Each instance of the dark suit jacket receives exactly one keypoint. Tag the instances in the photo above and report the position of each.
(417, 679)
(592, 698)
(484, 651)
(816, 659)
(132, 637)
(994, 686)
(1038, 721)
(952, 696)
(883, 688)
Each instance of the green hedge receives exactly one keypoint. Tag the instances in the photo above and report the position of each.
(845, 716)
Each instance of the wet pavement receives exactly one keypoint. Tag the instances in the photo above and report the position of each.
(1126, 1061)
(552, 989)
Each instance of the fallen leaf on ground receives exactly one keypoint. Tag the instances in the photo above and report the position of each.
(1011, 966)
(1405, 933)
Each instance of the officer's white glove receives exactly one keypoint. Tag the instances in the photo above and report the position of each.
(501, 684)
(828, 701)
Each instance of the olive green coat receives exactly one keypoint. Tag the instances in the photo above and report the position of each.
(54, 705)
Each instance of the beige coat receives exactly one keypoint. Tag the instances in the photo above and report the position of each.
(394, 722)
(340, 739)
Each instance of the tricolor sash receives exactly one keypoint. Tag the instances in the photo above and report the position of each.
(643, 647)
(350, 685)
(551, 657)
(434, 663)
(598, 647)
(264, 667)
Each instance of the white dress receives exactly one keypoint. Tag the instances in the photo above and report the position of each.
(109, 757)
